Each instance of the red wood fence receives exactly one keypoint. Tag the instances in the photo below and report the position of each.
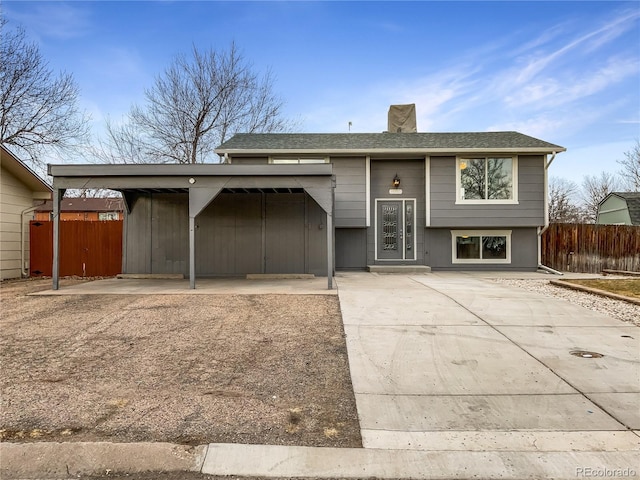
(591, 248)
(87, 249)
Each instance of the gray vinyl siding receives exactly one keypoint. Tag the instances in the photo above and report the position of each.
(529, 211)
(524, 251)
(316, 238)
(229, 236)
(350, 192)
(137, 233)
(351, 248)
(411, 174)
(157, 234)
(170, 233)
(236, 234)
(284, 232)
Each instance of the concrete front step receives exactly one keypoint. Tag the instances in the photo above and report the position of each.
(399, 268)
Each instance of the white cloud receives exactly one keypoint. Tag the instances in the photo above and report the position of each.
(570, 86)
(53, 19)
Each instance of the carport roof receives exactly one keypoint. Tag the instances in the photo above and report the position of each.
(189, 170)
(371, 143)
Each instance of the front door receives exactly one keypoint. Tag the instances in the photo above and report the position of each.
(395, 229)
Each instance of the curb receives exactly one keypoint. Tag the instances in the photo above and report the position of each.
(44, 460)
(64, 460)
(595, 291)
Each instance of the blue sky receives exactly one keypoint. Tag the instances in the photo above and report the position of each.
(565, 72)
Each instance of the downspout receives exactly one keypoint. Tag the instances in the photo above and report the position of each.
(23, 270)
(543, 229)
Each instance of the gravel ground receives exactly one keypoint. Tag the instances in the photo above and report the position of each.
(625, 311)
(188, 369)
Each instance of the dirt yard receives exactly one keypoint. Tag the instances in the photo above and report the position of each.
(188, 369)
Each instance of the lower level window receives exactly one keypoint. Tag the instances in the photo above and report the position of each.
(490, 246)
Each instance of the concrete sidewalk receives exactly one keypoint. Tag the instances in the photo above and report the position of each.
(455, 376)
(204, 286)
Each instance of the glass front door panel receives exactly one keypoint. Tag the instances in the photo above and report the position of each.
(390, 227)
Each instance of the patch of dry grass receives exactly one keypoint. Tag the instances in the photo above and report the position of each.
(626, 287)
(191, 369)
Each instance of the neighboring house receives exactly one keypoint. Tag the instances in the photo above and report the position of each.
(20, 189)
(309, 203)
(620, 208)
(92, 209)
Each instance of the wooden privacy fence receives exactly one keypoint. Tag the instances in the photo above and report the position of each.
(87, 249)
(591, 248)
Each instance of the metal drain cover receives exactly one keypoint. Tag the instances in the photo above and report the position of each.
(586, 354)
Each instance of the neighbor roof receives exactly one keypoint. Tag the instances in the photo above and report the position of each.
(104, 204)
(365, 143)
(633, 204)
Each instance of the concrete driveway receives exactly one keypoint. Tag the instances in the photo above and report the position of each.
(458, 362)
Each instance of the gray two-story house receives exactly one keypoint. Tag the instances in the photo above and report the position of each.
(443, 200)
(314, 203)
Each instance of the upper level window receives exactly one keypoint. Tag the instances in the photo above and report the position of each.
(486, 179)
(297, 160)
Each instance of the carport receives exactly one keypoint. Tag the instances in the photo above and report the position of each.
(201, 184)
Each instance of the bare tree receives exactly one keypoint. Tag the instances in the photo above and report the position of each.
(594, 189)
(630, 173)
(124, 143)
(563, 206)
(199, 101)
(39, 110)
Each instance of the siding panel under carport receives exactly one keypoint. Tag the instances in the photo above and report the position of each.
(236, 234)
(229, 235)
(284, 232)
(137, 232)
(170, 233)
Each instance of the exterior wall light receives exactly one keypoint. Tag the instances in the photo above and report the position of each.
(192, 180)
(396, 181)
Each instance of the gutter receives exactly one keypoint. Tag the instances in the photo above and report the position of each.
(544, 228)
(23, 270)
(384, 151)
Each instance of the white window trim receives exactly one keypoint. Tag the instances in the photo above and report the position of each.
(295, 160)
(514, 173)
(480, 233)
(404, 237)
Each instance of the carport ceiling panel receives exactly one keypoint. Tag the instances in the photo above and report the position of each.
(263, 190)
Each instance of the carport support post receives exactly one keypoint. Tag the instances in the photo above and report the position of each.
(58, 193)
(192, 252)
(329, 251)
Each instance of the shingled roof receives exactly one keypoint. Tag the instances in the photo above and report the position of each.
(267, 143)
(97, 204)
